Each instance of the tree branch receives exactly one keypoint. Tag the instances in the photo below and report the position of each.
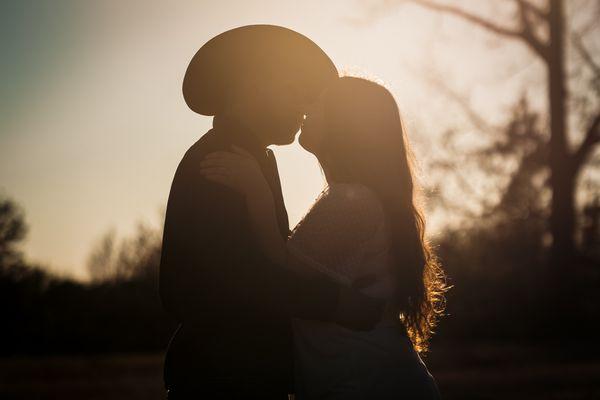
(527, 31)
(523, 33)
(592, 137)
(476, 120)
(466, 15)
(536, 10)
(585, 54)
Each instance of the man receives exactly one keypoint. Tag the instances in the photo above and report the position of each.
(233, 306)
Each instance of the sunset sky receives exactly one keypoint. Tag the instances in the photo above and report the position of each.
(93, 122)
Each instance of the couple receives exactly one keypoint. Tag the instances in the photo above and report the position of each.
(339, 307)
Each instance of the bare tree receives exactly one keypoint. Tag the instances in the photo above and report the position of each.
(134, 257)
(12, 232)
(542, 27)
(101, 260)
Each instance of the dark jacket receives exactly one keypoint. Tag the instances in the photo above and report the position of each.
(233, 305)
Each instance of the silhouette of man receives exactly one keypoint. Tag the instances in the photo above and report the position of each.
(234, 306)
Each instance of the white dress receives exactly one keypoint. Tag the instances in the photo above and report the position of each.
(345, 236)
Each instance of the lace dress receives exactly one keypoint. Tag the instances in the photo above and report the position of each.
(345, 236)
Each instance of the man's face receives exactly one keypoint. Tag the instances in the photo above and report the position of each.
(313, 128)
(277, 112)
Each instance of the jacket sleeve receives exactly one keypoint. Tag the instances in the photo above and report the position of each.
(211, 268)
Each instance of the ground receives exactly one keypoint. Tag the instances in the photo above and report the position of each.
(485, 372)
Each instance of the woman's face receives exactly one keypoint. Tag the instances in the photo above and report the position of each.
(313, 128)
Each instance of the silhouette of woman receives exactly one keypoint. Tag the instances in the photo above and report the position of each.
(365, 231)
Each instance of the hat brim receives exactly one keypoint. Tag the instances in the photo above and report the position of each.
(253, 53)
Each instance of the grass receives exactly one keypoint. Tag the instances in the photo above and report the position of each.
(112, 377)
(475, 372)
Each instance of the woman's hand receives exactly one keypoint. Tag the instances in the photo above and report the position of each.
(237, 170)
(240, 171)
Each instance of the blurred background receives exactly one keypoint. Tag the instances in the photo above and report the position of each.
(502, 103)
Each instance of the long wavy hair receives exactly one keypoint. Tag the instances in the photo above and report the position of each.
(366, 143)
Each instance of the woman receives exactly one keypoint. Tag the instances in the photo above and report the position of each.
(365, 231)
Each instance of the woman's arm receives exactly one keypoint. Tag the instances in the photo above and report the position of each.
(240, 171)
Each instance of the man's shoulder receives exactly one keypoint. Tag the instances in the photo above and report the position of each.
(208, 143)
(188, 182)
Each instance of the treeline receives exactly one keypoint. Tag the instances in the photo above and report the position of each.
(119, 311)
(503, 291)
(46, 315)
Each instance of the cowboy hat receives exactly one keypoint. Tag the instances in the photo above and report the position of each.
(254, 53)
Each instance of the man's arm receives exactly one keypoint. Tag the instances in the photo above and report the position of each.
(309, 294)
(201, 247)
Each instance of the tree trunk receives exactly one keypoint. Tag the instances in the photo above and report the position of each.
(562, 219)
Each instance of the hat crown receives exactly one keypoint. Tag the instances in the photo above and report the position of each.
(253, 52)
